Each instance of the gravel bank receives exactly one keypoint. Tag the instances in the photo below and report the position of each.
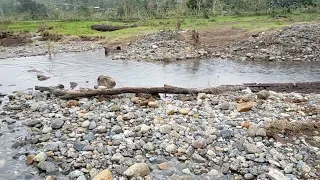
(294, 43)
(38, 48)
(163, 46)
(178, 137)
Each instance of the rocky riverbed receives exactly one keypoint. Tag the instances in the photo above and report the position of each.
(293, 43)
(163, 46)
(239, 135)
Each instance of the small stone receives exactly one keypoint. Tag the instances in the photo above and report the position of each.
(288, 169)
(72, 103)
(305, 168)
(33, 123)
(316, 139)
(40, 157)
(261, 132)
(85, 124)
(135, 100)
(50, 178)
(248, 176)
(275, 174)
(102, 129)
(42, 77)
(214, 173)
(78, 146)
(245, 106)
(235, 165)
(75, 174)
(30, 159)
(46, 129)
(35, 106)
(117, 129)
(138, 169)
(263, 94)
(198, 159)
(49, 167)
(120, 118)
(57, 124)
(163, 166)
(224, 105)
(245, 124)
(184, 111)
(251, 148)
(82, 177)
(144, 128)
(198, 144)
(116, 157)
(153, 104)
(103, 175)
(186, 171)
(93, 172)
(171, 148)
(165, 129)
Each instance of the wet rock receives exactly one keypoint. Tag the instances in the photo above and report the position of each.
(73, 85)
(103, 175)
(106, 81)
(138, 169)
(42, 77)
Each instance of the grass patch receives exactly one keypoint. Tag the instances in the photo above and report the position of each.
(82, 28)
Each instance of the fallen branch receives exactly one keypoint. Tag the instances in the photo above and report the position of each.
(166, 89)
(302, 87)
(308, 87)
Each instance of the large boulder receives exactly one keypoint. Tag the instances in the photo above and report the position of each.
(106, 81)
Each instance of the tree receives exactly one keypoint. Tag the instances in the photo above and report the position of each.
(36, 11)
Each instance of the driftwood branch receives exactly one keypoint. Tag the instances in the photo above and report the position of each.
(166, 89)
(309, 87)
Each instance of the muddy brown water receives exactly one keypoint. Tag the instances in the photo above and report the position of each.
(85, 67)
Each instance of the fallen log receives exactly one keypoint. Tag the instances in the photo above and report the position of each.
(166, 89)
(306, 87)
(104, 28)
(302, 87)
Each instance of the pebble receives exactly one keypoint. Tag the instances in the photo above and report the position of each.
(57, 124)
(42, 156)
(138, 169)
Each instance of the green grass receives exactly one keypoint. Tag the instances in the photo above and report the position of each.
(82, 28)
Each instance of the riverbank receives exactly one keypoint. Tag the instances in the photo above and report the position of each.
(218, 36)
(239, 135)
